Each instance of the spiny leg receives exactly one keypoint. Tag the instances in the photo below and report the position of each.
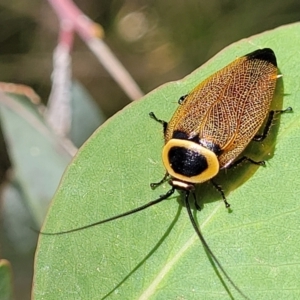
(153, 185)
(220, 190)
(272, 113)
(260, 138)
(233, 165)
(246, 159)
(164, 123)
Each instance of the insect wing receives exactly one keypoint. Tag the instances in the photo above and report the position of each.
(229, 107)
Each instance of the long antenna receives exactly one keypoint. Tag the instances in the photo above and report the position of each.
(151, 203)
(205, 245)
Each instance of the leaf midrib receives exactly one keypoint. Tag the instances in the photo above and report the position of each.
(152, 287)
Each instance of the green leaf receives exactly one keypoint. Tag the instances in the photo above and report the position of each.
(155, 254)
(36, 154)
(5, 280)
(86, 116)
(38, 162)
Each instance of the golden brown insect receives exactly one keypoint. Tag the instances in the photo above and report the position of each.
(212, 126)
(218, 119)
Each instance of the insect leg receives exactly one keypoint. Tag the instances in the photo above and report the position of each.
(260, 138)
(272, 113)
(220, 190)
(246, 159)
(164, 123)
(153, 185)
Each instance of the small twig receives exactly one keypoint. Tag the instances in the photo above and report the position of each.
(91, 33)
(58, 113)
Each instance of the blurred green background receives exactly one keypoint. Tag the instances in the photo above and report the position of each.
(157, 41)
